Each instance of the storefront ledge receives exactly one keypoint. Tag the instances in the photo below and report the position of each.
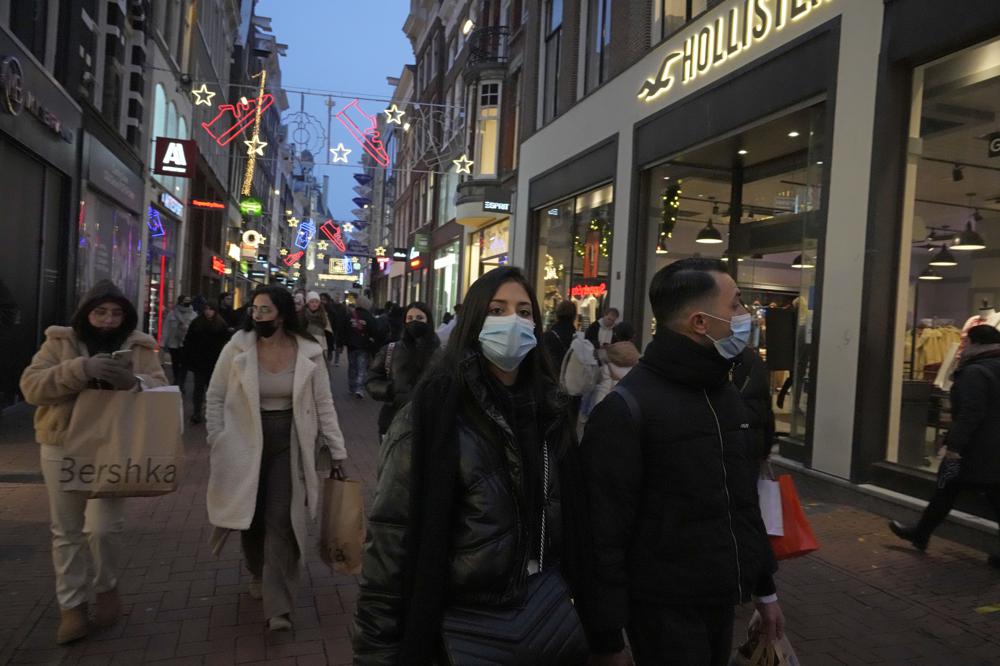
(962, 527)
(481, 202)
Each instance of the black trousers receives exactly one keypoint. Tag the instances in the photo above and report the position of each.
(681, 635)
(944, 499)
(202, 378)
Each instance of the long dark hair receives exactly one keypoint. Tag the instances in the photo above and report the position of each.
(286, 310)
(475, 307)
(422, 348)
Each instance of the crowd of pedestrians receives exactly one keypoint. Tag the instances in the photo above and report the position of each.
(604, 498)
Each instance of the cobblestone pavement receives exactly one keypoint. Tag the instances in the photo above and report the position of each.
(862, 599)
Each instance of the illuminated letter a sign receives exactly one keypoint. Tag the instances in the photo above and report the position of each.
(175, 157)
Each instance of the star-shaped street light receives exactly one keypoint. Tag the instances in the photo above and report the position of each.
(321, 256)
(380, 251)
(293, 222)
(348, 227)
(323, 245)
(255, 146)
(394, 115)
(283, 252)
(208, 95)
(463, 164)
(297, 265)
(340, 153)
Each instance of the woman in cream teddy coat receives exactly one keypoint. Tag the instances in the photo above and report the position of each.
(266, 442)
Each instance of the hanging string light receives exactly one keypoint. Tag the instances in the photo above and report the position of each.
(255, 146)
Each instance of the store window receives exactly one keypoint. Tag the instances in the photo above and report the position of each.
(754, 200)
(487, 130)
(598, 42)
(161, 270)
(110, 246)
(446, 265)
(574, 254)
(949, 272)
(675, 14)
(489, 249)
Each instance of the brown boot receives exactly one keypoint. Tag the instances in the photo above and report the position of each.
(72, 624)
(109, 608)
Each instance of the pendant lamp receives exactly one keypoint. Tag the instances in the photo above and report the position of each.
(798, 262)
(944, 258)
(969, 240)
(709, 235)
(929, 274)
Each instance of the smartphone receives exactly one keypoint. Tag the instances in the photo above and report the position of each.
(124, 355)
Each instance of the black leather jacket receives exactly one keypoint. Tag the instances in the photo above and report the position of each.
(491, 541)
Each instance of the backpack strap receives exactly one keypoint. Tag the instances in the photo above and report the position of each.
(630, 402)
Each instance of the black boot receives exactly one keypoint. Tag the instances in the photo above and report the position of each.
(910, 534)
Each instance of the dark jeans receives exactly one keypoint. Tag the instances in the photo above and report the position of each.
(357, 372)
(178, 367)
(681, 635)
(944, 499)
(201, 381)
(271, 552)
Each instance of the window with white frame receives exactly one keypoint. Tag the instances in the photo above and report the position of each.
(487, 129)
(553, 45)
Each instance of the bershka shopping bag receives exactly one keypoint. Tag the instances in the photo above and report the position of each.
(798, 539)
(124, 443)
(342, 534)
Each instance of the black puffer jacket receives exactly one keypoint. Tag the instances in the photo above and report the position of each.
(491, 533)
(394, 386)
(975, 406)
(752, 379)
(673, 499)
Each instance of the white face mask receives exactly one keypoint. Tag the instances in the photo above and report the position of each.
(507, 340)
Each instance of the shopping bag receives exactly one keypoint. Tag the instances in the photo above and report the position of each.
(798, 538)
(124, 443)
(769, 494)
(342, 534)
(758, 651)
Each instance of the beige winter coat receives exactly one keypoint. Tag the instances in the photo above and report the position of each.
(56, 376)
(236, 437)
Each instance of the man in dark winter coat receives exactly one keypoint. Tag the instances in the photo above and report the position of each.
(361, 344)
(674, 516)
(336, 312)
(972, 457)
(601, 333)
(752, 378)
(204, 341)
(560, 334)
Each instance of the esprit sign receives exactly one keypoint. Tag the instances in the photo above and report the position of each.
(175, 157)
(717, 41)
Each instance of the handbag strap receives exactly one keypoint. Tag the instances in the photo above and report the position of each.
(545, 502)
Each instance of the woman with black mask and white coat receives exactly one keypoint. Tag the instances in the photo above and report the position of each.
(461, 509)
(398, 366)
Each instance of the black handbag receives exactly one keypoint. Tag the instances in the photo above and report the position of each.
(543, 629)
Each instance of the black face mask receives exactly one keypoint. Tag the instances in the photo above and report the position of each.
(265, 329)
(418, 329)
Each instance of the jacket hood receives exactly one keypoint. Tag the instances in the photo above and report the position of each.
(623, 354)
(134, 339)
(680, 359)
(104, 291)
(979, 352)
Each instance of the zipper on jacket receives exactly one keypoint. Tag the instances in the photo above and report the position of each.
(729, 506)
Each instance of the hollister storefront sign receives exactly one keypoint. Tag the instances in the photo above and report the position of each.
(729, 35)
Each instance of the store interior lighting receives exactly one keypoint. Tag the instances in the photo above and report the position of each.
(799, 262)
(969, 240)
(929, 274)
(793, 134)
(944, 258)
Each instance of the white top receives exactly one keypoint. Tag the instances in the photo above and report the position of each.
(276, 389)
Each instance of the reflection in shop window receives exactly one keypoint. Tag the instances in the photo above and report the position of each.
(949, 277)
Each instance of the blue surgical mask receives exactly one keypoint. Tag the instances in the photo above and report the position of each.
(507, 340)
(732, 346)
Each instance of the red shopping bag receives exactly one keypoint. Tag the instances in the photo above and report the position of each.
(799, 539)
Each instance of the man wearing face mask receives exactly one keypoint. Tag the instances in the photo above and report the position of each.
(678, 537)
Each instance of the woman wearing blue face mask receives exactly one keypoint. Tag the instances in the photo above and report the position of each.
(470, 505)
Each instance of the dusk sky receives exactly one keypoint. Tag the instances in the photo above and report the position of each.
(342, 46)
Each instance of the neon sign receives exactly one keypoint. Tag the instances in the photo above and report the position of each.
(583, 290)
(233, 119)
(251, 206)
(292, 258)
(355, 120)
(332, 231)
(155, 224)
(722, 39)
(305, 234)
(215, 205)
(218, 265)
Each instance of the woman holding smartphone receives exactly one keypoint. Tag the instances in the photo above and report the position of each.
(101, 349)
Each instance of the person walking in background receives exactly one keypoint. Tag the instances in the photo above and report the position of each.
(337, 312)
(601, 333)
(174, 331)
(444, 330)
(361, 345)
(678, 539)
(560, 334)
(458, 513)
(398, 366)
(74, 358)
(621, 357)
(206, 337)
(972, 448)
(317, 324)
(300, 300)
(271, 424)
(753, 380)
(228, 313)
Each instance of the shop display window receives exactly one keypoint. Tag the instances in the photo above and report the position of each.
(446, 269)
(489, 249)
(574, 254)
(754, 200)
(110, 246)
(949, 271)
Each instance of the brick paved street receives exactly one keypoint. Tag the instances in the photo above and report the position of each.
(861, 599)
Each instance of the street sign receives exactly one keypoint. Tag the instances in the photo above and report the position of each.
(422, 242)
(175, 157)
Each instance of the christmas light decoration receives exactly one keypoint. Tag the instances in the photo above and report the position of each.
(348, 227)
(283, 252)
(323, 245)
(333, 232)
(380, 251)
(233, 119)
(251, 237)
(255, 146)
(321, 256)
(293, 222)
(305, 234)
(203, 96)
(363, 128)
(155, 223)
(394, 116)
(463, 164)
(297, 265)
(292, 258)
(340, 153)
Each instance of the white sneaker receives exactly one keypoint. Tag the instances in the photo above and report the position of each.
(279, 623)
